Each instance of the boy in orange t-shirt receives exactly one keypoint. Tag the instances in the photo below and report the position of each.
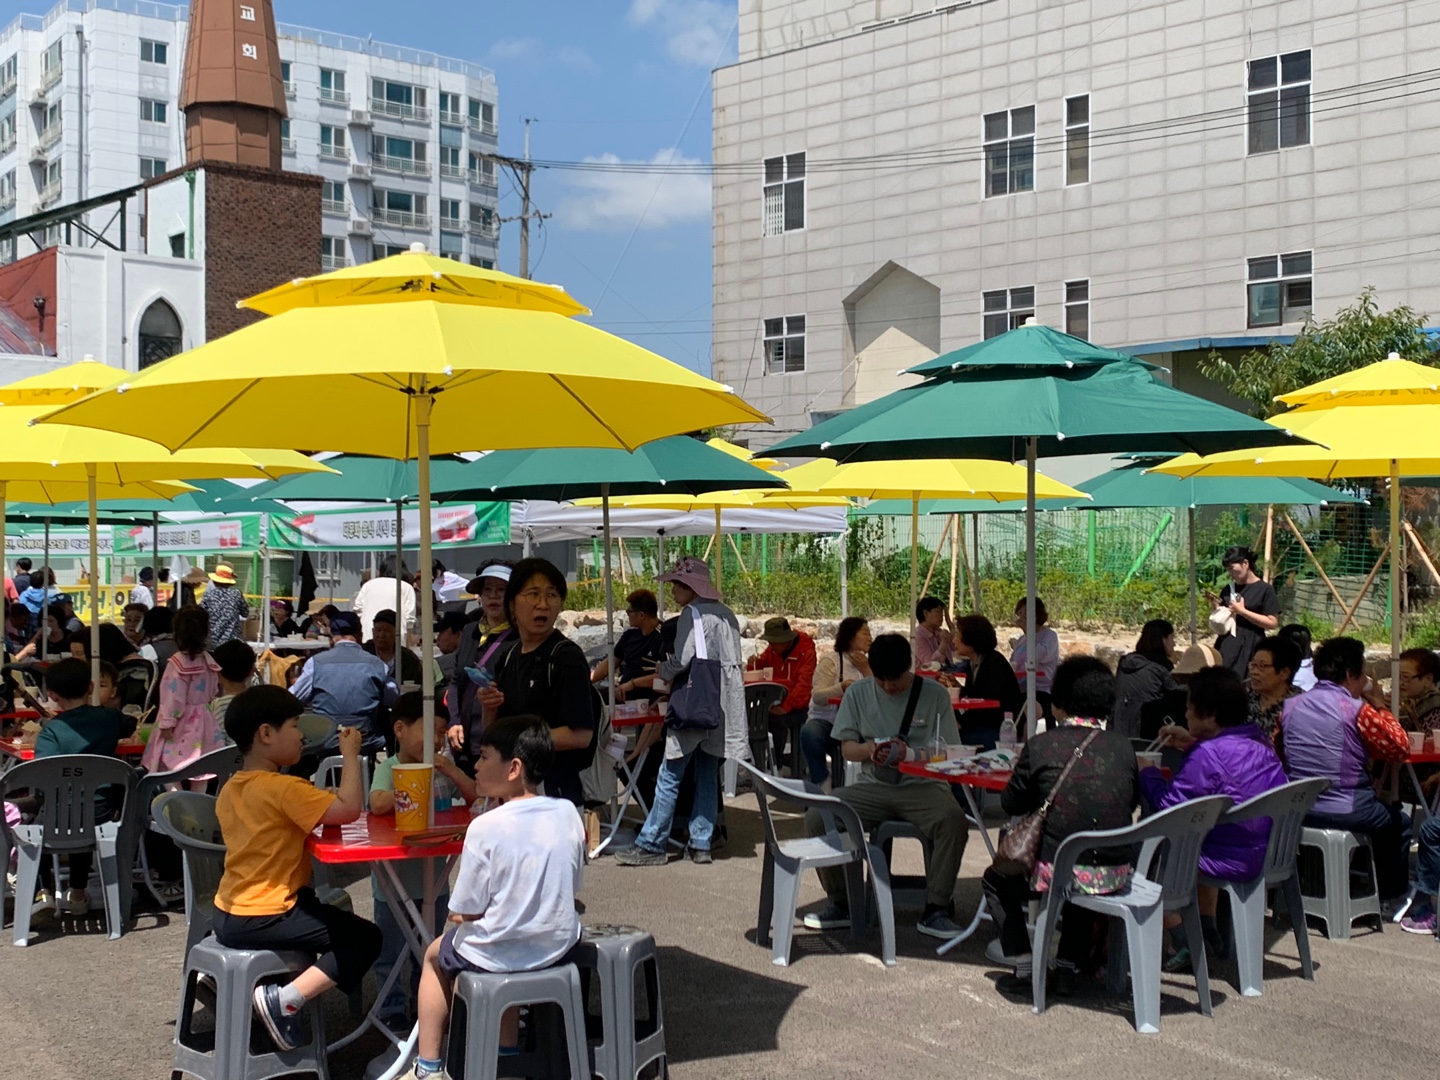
(264, 900)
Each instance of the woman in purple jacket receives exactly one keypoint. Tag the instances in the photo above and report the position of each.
(1225, 755)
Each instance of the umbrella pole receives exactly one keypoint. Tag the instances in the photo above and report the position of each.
(914, 558)
(845, 570)
(975, 568)
(155, 554)
(1194, 589)
(719, 556)
(265, 573)
(660, 569)
(423, 404)
(90, 469)
(402, 631)
(45, 638)
(1396, 585)
(1031, 720)
(610, 664)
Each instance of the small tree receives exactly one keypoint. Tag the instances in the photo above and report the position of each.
(1356, 336)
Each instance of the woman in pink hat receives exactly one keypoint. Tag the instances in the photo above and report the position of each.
(707, 629)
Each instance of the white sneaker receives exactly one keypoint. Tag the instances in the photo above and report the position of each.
(995, 953)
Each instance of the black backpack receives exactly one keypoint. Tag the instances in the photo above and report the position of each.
(597, 702)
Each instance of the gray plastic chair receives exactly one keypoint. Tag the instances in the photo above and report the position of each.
(188, 818)
(1155, 887)
(473, 1049)
(759, 700)
(624, 962)
(220, 764)
(906, 890)
(317, 729)
(68, 785)
(1286, 808)
(328, 774)
(843, 844)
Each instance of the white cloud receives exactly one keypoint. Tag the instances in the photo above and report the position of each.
(615, 201)
(577, 59)
(695, 31)
(513, 48)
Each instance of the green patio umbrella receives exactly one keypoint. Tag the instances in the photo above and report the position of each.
(1133, 485)
(678, 465)
(1032, 392)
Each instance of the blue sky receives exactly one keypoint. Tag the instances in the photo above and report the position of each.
(623, 79)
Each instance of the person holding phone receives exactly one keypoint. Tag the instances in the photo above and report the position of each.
(1252, 607)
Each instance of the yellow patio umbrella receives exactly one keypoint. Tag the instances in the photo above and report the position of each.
(1379, 420)
(727, 447)
(409, 379)
(56, 454)
(924, 478)
(68, 383)
(411, 275)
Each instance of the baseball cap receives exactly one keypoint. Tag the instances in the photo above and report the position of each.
(345, 622)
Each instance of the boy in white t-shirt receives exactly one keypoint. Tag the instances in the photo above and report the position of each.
(514, 896)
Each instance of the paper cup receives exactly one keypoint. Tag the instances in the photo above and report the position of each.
(1435, 740)
(1147, 758)
(413, 784)
(954, 695)
(1417, 742)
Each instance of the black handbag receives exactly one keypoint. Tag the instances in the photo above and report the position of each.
(1019, 849)
(695, 699)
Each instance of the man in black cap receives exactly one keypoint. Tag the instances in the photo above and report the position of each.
(347, 683)
(790, 656)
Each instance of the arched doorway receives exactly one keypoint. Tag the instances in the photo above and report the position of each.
(161, 335)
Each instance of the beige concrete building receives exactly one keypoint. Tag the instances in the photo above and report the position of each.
(895, 179)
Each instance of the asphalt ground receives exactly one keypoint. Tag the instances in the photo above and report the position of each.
(73, 1004)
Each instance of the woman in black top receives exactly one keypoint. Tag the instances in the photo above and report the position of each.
(1143, 676)
(543, 673)
(1101, 792)
(992, 677)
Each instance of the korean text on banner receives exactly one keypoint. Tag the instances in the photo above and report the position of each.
(363, 529)
(201, 537)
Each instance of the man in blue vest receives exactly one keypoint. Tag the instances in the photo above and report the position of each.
(347, 683)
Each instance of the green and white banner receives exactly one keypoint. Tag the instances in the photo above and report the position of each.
(459, 525)
(202, 537)
(67, 543)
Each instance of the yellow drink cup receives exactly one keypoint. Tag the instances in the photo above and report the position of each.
(413, 799)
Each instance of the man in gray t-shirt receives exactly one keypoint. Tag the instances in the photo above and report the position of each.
(868, 727)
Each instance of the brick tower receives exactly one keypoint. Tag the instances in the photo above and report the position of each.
(233, 95)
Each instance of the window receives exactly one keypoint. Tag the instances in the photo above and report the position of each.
(385, 251)
(153, 111)
(1279, 89)
(1007, 310)
(452, 245)
(53, 174)
(9, 76)
(51, 64)
(398, 99)
(332, 252)
(401, 208)
(450, 112)
(286, 79)
(161, 336)
(332, 86)
(332, 196)
(482, 170)
(784, 194)
(1280, 289)
(482, 116)
(450, 162)
(484, 264)
(785, 345)
(287, 141)
(1077, 308)
(1010, 151)
(151, 167)
(7, 190)
(398, 155)
(449, 213)
(482, 221)
(7, 133)
(154, 52)
(332, 142)
(1077, 140)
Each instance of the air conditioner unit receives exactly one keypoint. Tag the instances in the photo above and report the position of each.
(38, 156)
(359, 171)
(360, 118)
(39, 97)
(361, 227)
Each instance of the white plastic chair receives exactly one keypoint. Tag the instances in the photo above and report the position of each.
(1286, 808)
(843, 844)
(1140, 908)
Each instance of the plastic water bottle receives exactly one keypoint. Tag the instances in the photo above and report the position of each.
(1007, 739)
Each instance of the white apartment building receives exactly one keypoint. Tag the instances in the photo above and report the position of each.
(88, 96)
(895, 179)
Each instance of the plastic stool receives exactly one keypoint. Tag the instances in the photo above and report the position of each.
(484, 997)
(1337, 905)
(907, 890)
(232, 1054)
(628, 1043)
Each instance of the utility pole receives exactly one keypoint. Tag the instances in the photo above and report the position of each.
(521, 170)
